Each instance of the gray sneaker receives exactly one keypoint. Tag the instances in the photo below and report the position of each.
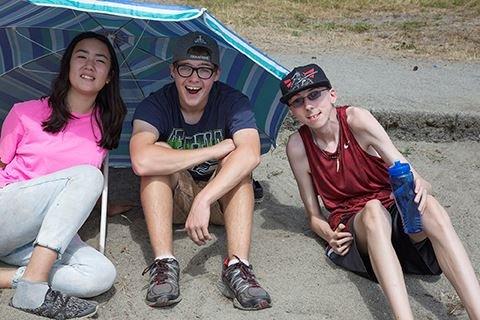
(238, 283)
(60, 306)
(163, 289)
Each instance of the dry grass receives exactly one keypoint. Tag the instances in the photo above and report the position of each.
(422, 28)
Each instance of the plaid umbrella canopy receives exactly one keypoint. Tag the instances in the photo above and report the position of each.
(35, 33)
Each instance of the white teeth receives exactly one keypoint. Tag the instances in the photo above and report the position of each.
(192, 88)
(313, 116)
(84, 76)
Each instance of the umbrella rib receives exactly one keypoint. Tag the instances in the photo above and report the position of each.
(130, 53)
(35, 42)
(135, 45)
(118, 47)
(91, 17)
(21, 66)
(50, 51)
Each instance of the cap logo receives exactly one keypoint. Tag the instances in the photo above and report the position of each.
(200, 40)
(197, 57)
(300, 80)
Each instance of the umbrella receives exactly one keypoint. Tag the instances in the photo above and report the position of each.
(35, 33)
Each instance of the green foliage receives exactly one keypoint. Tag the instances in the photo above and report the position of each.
(412, 25)
(445, 4)
(359, 27)
(406, 151)
(327, 26)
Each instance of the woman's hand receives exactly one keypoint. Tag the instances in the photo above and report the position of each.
(341, 241)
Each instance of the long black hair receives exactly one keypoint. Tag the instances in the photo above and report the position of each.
(109, 110)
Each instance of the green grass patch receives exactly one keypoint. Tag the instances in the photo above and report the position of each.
(412, 25)
(406, 151)
(327, 26)
(359, 27)
(445, 4)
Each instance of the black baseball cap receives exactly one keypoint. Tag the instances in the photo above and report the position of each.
(184, 43)
(302, 78)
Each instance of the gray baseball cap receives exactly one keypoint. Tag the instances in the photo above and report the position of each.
(183, 44)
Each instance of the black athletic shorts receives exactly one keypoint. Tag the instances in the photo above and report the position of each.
(415, 258)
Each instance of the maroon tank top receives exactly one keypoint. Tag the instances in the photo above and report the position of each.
(347, 178)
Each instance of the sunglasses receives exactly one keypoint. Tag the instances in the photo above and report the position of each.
(311, 96)
(185, 71)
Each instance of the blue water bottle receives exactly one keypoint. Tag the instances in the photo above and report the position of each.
(403, 187)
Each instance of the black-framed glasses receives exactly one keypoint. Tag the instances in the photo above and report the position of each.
(312, 96)
(185, 71)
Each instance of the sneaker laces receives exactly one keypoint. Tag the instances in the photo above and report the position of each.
(246, 273)
(159, 268)
(57, 295)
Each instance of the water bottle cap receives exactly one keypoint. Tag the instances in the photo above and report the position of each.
(398, 169)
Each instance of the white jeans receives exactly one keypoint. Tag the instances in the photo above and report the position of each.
(49, 211)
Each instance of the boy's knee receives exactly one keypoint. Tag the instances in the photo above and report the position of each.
(432, 204)
(435, 217)
(373, 205)
(374, 216)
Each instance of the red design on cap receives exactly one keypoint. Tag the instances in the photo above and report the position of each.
(288, 83)
(310, 73)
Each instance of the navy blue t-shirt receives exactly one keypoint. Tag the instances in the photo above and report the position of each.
(227, 111)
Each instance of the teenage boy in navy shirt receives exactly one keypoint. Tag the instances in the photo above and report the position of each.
(195, 145)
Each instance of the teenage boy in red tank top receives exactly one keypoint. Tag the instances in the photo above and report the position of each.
(341, 154)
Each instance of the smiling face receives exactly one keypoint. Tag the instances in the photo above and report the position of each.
(192, 90)
(89, 67)
(313, 107)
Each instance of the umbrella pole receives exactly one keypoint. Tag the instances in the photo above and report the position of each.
(103, 211)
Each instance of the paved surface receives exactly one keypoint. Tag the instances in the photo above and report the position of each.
(383, 83)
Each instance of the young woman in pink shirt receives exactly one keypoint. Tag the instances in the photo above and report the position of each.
(50, 153)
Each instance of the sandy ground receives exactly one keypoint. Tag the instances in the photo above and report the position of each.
(287, 256)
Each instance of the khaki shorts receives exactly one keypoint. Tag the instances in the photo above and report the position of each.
(183, 196)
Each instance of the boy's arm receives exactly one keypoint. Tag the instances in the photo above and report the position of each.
(234, 168)
(370, 134)
(338, 240)
(150, 158)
